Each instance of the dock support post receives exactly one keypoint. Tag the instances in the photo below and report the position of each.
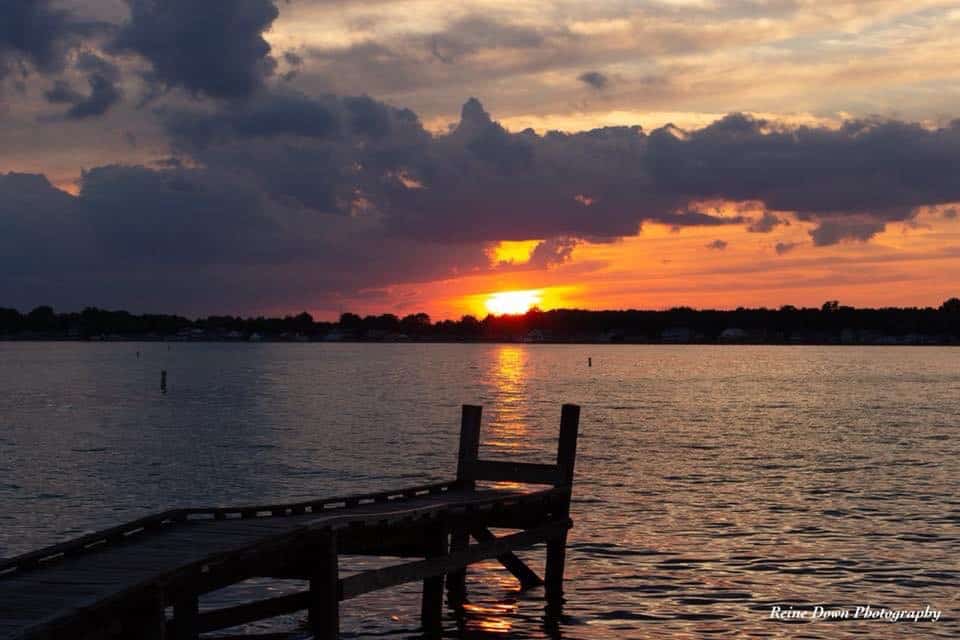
(470, 419)
(186, 609)
(557, 548)
(324, 611)
(431, 609)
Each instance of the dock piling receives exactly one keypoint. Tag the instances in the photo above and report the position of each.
(431, 609)
(470, 419)
(163, 381)
(324, 609)
(557, 547)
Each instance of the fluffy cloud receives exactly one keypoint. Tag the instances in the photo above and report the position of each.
(211, 48)
(37, 33)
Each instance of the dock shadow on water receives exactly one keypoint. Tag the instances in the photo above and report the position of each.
(712, 483)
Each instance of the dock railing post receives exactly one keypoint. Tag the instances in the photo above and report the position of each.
(470, 419)
(431, 609)
(324, 610)
(557, 548)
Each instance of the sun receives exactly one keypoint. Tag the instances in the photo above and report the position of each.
(512, 302)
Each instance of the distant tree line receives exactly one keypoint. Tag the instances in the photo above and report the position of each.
(832, 322)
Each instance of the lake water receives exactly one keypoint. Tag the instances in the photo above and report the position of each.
(712, 482)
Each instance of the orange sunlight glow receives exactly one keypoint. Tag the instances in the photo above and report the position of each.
(513, 302)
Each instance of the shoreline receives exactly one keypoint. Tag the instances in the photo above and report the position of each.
(320, 340)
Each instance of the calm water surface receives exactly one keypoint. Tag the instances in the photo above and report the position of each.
(712, 482)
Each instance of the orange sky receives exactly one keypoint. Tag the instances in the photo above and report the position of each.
(906, 265)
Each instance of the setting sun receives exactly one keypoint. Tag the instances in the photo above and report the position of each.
(512, 302)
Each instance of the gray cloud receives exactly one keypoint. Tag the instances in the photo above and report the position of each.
(833, 231)
(717, 245)
(211, 48)
(104, 93)
(483, 183)
(63, 93)
(38, 33)
(594, 79)
(783, 248)
(553, 251)
(766, 223)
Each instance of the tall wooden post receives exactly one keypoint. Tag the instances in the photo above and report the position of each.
(431, 609)
(557, 548)
(470, 419)
(324, 610)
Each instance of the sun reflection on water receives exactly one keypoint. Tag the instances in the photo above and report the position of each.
(508, 378)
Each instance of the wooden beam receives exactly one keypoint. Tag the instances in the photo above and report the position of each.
(252, 611)
(527, 577)
(353, 586)
(505, 471)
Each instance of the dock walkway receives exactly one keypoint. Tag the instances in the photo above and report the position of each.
(144, 579)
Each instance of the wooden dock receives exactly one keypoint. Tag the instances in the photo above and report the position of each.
(145, 579)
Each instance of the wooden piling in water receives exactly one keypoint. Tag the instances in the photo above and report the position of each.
(324, 608)
(557, 548)
(431, 609)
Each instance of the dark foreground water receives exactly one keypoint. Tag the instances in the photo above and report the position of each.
(713, 482)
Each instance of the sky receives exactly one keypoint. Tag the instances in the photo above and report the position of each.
(271, 156)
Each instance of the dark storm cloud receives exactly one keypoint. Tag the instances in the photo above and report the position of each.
(285, 196)
(481, 182)
(211, 48)
(104, 93)
(37, 33)
(882, 169)
(63, 93)
(594, 79)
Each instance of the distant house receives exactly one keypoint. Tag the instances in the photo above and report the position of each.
(676, 335)
(733, 334)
